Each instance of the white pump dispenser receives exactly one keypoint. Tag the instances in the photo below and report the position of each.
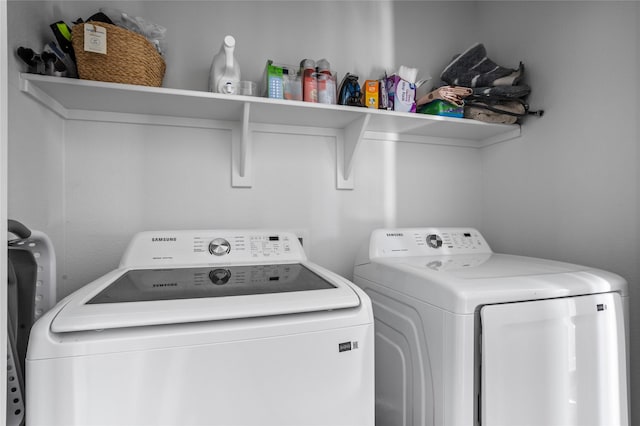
(224, 76)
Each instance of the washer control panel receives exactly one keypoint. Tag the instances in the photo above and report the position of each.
(426, 242)
(242, 246)
(212, 247)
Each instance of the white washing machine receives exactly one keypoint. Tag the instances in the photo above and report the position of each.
(206, 328)
(468, 337)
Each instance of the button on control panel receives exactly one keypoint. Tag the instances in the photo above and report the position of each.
(268, 246)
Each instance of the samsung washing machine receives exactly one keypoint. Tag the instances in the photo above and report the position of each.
(206, 328)
(465, 336)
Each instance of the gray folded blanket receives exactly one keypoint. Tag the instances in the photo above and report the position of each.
(473, 68)
(504, 92)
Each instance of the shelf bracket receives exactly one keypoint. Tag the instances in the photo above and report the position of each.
(39, 95)
(348, 141)
(241, 151)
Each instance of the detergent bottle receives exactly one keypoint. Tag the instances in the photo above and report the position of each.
(224, 76)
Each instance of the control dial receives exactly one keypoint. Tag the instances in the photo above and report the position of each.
(220, 276)
(434, 241)
(219, 247)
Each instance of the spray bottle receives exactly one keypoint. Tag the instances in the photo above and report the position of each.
(224, 76)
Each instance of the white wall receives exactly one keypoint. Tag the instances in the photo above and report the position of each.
(127, 178)
(568, 188)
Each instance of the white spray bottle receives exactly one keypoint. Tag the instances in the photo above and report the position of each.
(224, 76)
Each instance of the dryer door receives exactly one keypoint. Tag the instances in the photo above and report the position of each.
(554, 362)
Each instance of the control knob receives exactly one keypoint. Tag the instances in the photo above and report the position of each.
(220, 276)
(219, 247)
(434, 241)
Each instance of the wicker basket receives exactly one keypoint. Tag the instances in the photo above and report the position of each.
(130, 58)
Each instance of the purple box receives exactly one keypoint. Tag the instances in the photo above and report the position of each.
(402, 94)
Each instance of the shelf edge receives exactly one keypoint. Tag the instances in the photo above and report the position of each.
(502, 137)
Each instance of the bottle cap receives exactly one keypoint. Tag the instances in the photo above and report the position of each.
(323, 64)
(229, 41)
(307, 63)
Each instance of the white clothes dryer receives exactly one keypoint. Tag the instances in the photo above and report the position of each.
(225, 327)
(465, 336)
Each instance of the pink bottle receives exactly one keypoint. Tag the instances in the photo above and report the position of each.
(309, 80)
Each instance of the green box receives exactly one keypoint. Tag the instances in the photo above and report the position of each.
(273, 81)
(440, 107)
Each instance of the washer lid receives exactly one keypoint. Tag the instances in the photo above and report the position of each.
(461, 283)
(489, 266)
(141, 297)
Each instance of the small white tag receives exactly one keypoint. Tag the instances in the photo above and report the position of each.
(95, 39)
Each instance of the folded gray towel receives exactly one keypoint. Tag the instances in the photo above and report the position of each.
(473, 68)
(504, 92)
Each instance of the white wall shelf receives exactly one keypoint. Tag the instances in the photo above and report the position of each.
(74, 99)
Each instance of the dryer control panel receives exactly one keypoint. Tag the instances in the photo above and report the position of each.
(403, 242)
(212, 247)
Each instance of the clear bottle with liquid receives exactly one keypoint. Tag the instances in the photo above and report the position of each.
(326, 83)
